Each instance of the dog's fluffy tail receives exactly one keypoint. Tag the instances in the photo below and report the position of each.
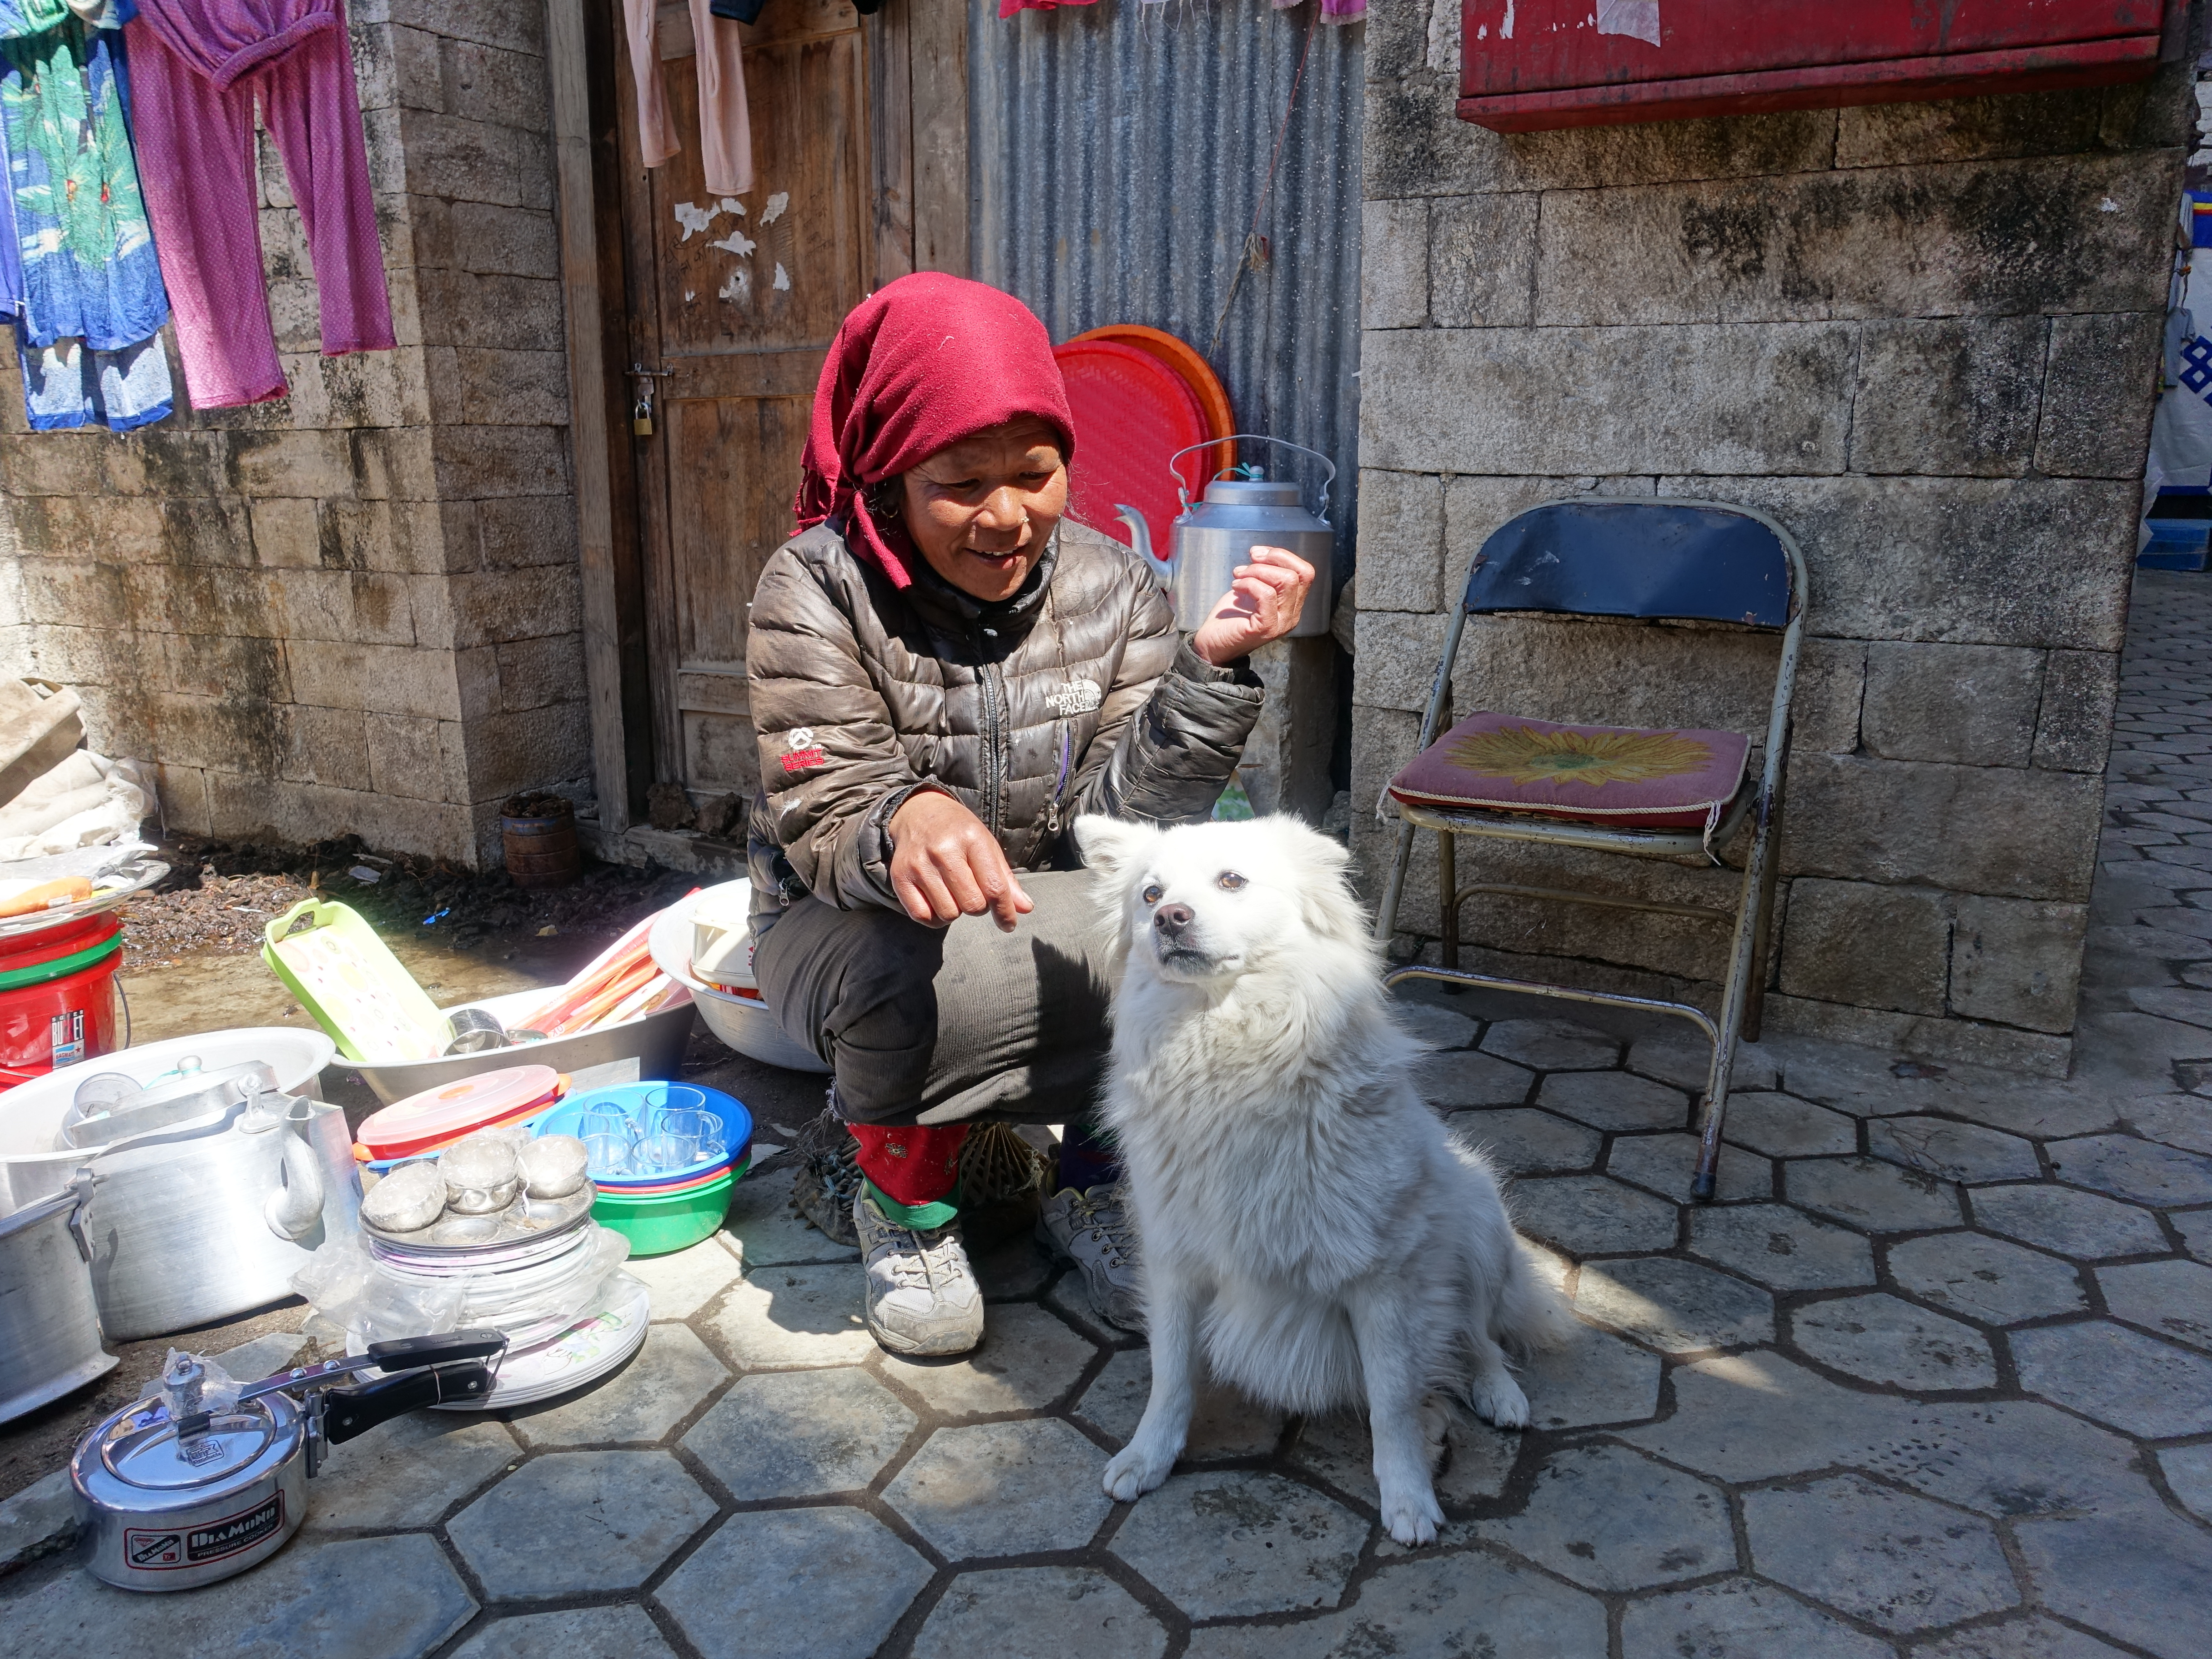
(1529, 1316)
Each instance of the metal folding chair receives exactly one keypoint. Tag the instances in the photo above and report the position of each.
(1656, 560)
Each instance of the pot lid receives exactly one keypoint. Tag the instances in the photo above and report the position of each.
(423, 1122)
(153, 1456)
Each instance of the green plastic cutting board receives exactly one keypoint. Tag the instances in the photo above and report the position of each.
(350, 980)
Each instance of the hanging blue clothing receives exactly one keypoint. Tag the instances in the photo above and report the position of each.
(87, 259)
(69, 384)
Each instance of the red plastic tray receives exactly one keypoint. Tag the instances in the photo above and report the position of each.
(1132, 412)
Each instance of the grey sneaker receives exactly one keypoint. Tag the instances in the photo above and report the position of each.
(829, 1178)
(1093, 1231)
(922, 1295)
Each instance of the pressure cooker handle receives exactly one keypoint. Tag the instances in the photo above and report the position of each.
(350, 1412)
(410, 1351)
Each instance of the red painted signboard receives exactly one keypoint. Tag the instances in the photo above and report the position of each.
(1530, 64)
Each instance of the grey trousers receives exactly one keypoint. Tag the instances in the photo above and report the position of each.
(948, 1024)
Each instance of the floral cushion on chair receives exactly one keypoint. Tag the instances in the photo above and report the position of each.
(1618, 776)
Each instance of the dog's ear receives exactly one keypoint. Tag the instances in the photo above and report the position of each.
(1331, 910)
(1110, 846)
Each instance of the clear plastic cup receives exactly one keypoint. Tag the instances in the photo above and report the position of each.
(659, 1153)
(704, 1129)
(606, 1156)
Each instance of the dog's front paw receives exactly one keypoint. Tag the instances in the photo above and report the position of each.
(1411, 1515)
(1134, 1470)
(1498, 1399)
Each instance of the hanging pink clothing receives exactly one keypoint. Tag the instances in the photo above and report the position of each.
(726, 133)
(196, 67)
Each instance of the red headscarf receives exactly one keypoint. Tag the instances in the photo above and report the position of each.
(920, 363)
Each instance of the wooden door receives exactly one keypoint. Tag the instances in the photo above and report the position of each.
(736, 301)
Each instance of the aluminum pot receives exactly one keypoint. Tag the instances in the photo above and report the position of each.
(49, 1322)
(1211, 537)
(205, 1227)
(176, 1491)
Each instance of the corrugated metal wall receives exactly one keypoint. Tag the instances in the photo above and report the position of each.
(1115, 154)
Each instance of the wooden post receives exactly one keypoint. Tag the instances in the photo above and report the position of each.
(937, 31)
(565, 60)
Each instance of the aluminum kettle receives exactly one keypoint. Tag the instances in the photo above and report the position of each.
(1211, 537)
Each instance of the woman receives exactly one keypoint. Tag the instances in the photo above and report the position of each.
(944, 673)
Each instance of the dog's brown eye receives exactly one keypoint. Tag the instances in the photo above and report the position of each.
(1230, 881)
(1153, 893)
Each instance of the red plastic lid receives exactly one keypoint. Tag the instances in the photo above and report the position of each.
(1132, 412)
(66, 939)
(424, 1122)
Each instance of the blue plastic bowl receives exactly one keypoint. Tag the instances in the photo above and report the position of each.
(636, 1099)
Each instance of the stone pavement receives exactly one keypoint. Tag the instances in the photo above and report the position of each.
(1933, 1379)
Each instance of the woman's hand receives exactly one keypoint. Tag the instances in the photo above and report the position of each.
(945, 864)
(1262, 604)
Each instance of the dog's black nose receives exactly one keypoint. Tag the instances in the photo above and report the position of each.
(1172, 918)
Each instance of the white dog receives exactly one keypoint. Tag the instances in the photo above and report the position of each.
(1309, 1229)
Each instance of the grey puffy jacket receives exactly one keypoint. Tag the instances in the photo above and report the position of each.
(1075, 695)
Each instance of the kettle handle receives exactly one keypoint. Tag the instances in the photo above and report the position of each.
(1182, 493)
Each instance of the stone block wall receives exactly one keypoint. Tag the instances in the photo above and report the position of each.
(357, 609)
(1924, 338)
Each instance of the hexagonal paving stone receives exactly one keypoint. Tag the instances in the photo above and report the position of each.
(1739, 1619)
(1986, 1278)
(1338, 1449)
(1005, 1612)
(800, 1434)
(684, 1281)
(1784, 1249)
(1782, 1126)
(2035, 1637)
(2171, 1298)
(1070, 1300)
(767, 1232)
(2144, 1578)
(814, 1584)
(1869, 1193)
(792, 1317)
(1470, 1605)
(1686, 1062)
(1664, 1163)
(1593, 1215)
(409, 1473)
(1027, 1360)
(650, 1395)
(1521, 1140)
(1893, 1560)
(1551, 1045)
(2142, 1172)
(1461, 1077)
(2182, 1120)
(2038, 1109)
(1675, 1306)
(570, 1523)
(1882, 1340)
(579, 1630)
(1615, 1100)
(1228, 1543)
(2195, 1230)
(1223, 1423)
(2188, 1470)
(2135, 1382)
(1593, 1377)
(1612, 1519)
(349, 1598)
(1954, 1152)
(1440, 1028)
(1015, 1267)
(1003, 1489)
(2079, 1224)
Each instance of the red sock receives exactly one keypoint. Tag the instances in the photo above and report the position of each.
(915, 1165)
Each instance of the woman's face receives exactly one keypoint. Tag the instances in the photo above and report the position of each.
(981, 510)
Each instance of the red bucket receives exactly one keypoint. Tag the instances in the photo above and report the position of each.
(57, 997)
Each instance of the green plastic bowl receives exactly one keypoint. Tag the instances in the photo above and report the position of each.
(673, 1221)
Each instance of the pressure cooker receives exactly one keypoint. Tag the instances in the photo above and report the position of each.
(186, 1488)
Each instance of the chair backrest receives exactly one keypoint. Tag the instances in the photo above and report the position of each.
(1653, 558)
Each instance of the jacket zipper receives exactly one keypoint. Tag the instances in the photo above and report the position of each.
(993, 772)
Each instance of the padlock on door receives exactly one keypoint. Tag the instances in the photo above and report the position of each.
(640, 418)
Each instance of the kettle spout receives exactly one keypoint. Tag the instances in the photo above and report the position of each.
(1141, 540)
